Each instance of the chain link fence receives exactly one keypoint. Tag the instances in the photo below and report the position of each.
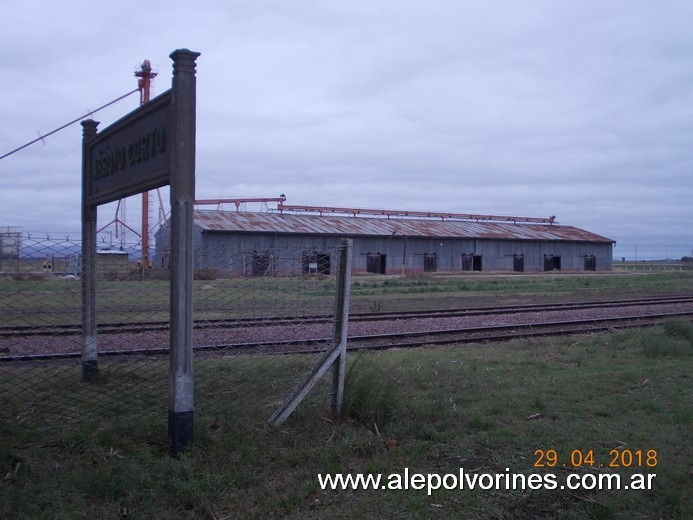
(261, 321)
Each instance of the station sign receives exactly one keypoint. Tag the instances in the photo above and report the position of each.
(132, 155)
(150, 147)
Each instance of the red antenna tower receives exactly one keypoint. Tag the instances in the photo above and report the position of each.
(145, 75)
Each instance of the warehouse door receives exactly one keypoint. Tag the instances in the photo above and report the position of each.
(519, 263)
(552, 263)
(376, 263)
(476, 263)
(261, 264)
(590, 263)
(430, 262)
(324, 263)
(471, 262)
(467, 262)
(315, 263)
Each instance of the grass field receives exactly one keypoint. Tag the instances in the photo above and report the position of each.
(46, 301)
(486, 408)
(483, 408)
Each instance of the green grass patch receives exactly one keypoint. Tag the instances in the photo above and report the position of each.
(48, 300)
(376, 293)
(481, 407)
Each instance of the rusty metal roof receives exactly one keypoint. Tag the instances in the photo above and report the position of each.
(278, 223)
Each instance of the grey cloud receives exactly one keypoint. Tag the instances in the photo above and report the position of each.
(583, 110)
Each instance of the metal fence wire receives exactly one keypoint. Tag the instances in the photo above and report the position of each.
(258, 318)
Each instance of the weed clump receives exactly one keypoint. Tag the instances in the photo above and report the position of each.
(679, 329)
(368, 396)
(674, 338)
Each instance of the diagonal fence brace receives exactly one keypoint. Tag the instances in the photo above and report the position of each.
(334, 357)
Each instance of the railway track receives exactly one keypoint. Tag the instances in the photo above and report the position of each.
(151, 326)
(391, 340)
(509, 332)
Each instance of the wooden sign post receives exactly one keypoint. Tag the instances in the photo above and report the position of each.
(152, 146)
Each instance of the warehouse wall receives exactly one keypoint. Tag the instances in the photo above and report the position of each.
(234, 251)
(496, 255)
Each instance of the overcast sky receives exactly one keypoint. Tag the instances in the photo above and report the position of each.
(578, 109)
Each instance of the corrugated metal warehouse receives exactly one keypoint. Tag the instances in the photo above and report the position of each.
(389, 242)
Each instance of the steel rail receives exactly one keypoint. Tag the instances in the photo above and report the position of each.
(116, 328)
(393, 340)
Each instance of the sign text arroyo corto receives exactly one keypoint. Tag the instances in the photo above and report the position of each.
(141, 148)
(132, 155)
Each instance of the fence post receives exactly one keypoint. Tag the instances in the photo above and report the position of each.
(90, 370)
(335, 356)
(341, 322)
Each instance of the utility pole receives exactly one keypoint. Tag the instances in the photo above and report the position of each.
(145, 75)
